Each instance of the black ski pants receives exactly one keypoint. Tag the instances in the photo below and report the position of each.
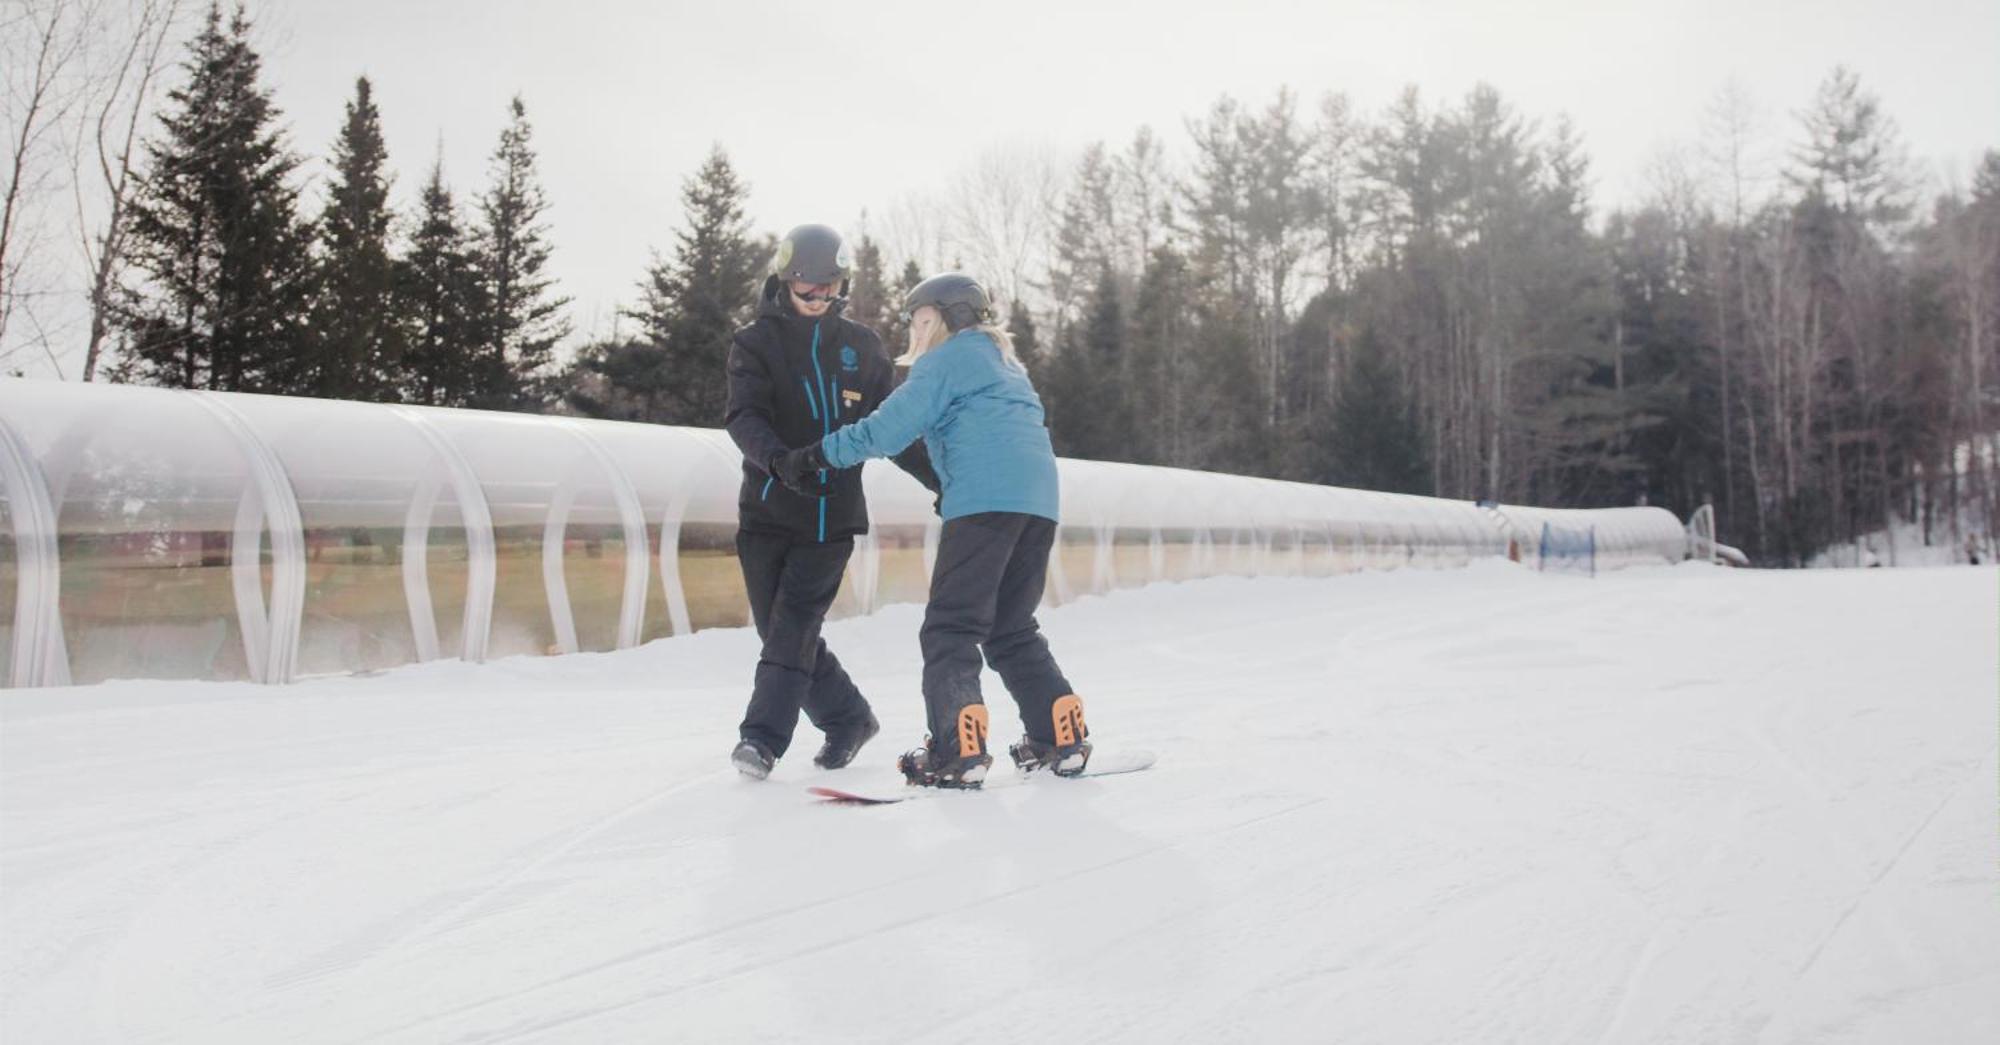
(791, 585)
(985, 588)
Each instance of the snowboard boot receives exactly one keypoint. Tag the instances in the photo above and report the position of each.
(843, 744)
(752, 759)
(1071, 751)
(960, 761)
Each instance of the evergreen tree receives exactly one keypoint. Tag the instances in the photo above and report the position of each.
(524, 320)
(1027, 344)
(1851, 157)
(1227, 428)
(357, 339)
(895, 332)
(1662, 377)
(868, 300)
(693, 303)
(1086, 397)
(214, 230)
(1163, 350)
(1371, 440)
(1085, 240)
(441, 297)
(623, 380)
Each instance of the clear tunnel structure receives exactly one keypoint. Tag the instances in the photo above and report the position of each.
(150, 533)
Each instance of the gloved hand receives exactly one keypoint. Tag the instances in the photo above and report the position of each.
(800, 471)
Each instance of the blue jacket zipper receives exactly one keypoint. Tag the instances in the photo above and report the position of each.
(825, 424)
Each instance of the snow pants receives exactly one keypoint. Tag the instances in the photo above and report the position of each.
(985, 588)
(791, 585)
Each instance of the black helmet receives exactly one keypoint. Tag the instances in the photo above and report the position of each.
(956, 296)
(812, 254)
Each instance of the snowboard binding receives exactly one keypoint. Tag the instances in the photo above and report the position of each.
(963, 766)
(1069, 754)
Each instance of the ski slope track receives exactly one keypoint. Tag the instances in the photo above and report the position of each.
(1664, 805)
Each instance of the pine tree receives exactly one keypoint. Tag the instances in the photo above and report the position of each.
(1374, 441)
(693, 303)
(1027, 344)
(1086, 397)
(896, 333)
(441, 297)
(357, 339)
(623, 380)
(1163, 347)
(1085, 239)
(215, 232)
(1227, 429)
(1851, 157)
(868, 300)
(524, 317)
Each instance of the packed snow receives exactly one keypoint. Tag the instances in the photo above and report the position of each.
(1677, 804)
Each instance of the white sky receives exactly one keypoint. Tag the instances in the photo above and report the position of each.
(830, 108)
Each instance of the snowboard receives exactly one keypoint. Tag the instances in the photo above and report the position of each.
(1102, 763)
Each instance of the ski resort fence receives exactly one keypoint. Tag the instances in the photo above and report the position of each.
(149, 533)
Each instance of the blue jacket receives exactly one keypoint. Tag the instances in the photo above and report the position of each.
(979, 417)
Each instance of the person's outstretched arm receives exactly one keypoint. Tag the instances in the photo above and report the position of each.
(906, 414)
(916, 459)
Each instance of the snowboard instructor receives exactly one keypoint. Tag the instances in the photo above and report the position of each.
(799, 372)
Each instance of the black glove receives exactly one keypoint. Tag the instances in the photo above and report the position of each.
(800, 471)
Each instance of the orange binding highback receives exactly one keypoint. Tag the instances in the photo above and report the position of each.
(972, 730)
(1068, 713)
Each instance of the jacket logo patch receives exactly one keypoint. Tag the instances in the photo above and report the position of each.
(849, 396)
(849, 358)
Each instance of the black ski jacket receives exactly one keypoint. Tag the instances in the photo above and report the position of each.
(792, 380)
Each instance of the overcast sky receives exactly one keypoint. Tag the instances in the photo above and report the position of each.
(830, 108)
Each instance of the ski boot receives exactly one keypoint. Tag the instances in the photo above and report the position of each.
(1071, 751)
(960, 765)
(842, 744)
(752, 759)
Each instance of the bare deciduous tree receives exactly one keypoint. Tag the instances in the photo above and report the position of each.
(40, 44)
(102, 152)
(999, 217)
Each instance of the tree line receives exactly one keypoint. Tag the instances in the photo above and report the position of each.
(1422, 299)
(214, 272)
(1423, 302)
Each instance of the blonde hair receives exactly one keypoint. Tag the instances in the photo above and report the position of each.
(940, 334)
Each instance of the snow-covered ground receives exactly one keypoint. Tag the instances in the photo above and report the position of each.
(1902, 544)
(1665, 805)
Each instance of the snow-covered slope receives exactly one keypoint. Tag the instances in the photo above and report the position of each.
(1688, 805)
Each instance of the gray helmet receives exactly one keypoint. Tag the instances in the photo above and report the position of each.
(956, 296)
(813, 254)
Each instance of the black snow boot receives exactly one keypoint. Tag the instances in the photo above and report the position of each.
(842, 744)
(1071, 751)
(752, 759)
(1031, 754)
(960, 761)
